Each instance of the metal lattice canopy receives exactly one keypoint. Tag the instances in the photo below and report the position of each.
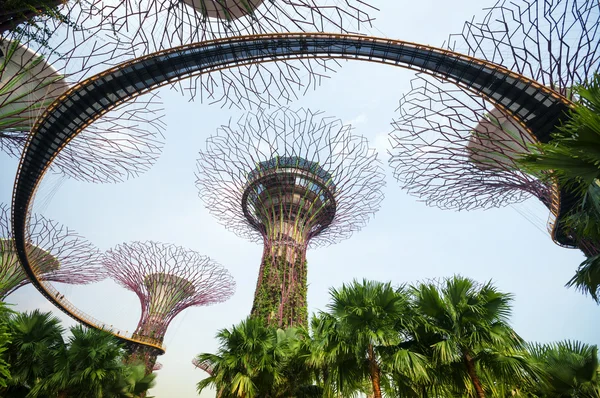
(290, 170)
(167, 279)
(40, 61)
(58, 254)
(154, 25)
(555, 42)
(455, 150)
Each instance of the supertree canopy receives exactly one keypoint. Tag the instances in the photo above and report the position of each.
(39, 61)
(460, 152)
(154, 25)
(456, 151)
(289, 180)
(554, 42)
(167, 279)
(58, 255)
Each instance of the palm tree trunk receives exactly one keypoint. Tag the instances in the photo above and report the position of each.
(470, 364)
(375, 373)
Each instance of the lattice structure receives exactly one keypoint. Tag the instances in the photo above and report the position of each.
(289, 180)
(160, 24)
(167, 279)
(456, 151)
(58, 254)
(555, 42)
(39, 62)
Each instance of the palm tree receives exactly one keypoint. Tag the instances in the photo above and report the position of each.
(326, 352)
(372, 317)
(573, 158)
(134, 382)
(468, 332)
(90, 366)
(35, 336)
(570, 368)
(253, 361)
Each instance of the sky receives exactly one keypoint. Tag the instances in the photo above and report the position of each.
(405, 242)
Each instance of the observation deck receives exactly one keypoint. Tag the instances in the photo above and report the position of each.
(291, 197)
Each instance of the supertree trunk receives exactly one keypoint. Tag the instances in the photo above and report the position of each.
(280, 297)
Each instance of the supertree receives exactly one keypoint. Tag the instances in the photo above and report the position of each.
(456, 151)
(58, 255)
(289, 180)
(167, 279)
(39, 61)
(159, 24)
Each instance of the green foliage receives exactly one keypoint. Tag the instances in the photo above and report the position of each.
(587, 277)
(277, 287)
(434, 340)
(572, 158)
(5, 340)
(255, 361)
(466, 327)
(570, 369)
(89, 364)
(36, 339)
(372, 318)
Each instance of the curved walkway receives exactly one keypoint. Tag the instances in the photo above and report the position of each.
(533, 105)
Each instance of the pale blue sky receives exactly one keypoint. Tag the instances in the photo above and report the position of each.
(404, 243)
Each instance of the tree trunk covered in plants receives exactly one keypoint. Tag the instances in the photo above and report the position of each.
(470, 364)
(145, 355)
(280, 297)
(375, 373)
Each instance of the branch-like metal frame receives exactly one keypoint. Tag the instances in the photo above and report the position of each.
(57, 253)
(155, 25)
(167, 279)
(554, 42)
(456, 151)
(536, 107)
(41, 60)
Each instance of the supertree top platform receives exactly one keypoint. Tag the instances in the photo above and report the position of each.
(57, 253)
(295, 173)
(167, 279)
(290, 198)
(289, 180)
(206, 366)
